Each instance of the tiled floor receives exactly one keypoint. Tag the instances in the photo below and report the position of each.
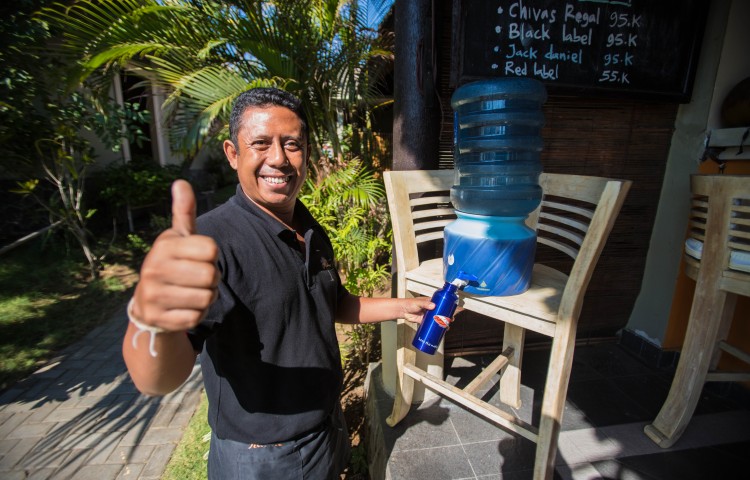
(612, 395)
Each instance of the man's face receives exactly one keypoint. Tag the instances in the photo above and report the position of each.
(270, 157)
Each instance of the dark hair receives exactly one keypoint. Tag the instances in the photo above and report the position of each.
(264, 97)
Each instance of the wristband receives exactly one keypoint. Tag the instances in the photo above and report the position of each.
(142, 327)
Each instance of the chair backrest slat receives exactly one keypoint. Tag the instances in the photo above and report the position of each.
(431, 200)
(426, 237)
(738, 233)
(584, 212)
(432, 225)
(567, 210)
(431, 213)
(739, 246)
(408, 192)
(561, 232)
(563, 247)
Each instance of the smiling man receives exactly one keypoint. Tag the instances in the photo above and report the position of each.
(251, 286)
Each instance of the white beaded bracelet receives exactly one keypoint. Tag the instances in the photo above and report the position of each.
(142, 327)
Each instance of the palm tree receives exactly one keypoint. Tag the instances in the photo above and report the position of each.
(205, 53)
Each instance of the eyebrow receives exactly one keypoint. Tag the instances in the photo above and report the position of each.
(300, 138)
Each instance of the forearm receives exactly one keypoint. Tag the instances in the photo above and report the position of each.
(166, 371)
(356, 309)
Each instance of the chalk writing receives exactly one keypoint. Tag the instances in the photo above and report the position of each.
(605, 44)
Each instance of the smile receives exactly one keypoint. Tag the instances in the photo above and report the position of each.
(277, 180)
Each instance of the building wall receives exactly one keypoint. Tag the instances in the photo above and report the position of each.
(723, 63)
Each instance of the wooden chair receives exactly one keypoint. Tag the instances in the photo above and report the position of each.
(716, 254)
(575, 217)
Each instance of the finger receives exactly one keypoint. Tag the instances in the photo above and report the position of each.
(427, 304)
(175, 307)
(183, 208)
(182, 319)
(187, 273)
(195, 247)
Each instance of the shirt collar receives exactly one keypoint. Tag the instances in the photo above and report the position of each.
(301, 214)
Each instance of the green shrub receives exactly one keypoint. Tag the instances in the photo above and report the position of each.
(139, 182)
(349, 203)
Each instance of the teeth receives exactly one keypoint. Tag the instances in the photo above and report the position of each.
(276, 180)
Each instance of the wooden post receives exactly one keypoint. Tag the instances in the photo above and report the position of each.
(416, 110)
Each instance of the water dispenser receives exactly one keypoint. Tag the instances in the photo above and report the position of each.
(497, 142)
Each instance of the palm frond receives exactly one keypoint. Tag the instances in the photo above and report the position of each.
(204, 53)
(203, 98)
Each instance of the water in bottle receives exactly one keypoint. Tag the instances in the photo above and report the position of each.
(497, 146)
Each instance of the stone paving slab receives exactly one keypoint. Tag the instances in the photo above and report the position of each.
(80, 416)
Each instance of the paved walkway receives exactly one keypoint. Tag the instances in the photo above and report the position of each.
(80, 417)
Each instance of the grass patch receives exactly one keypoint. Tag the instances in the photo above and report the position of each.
(188, 461)
(47, 302)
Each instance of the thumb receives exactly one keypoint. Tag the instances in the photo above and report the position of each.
(183, 208)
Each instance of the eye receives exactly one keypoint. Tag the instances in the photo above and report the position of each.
(292, 145)
(259, 144)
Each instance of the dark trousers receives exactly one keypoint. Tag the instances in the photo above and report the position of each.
(319, 455)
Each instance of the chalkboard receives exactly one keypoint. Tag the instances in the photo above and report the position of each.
(645, 48)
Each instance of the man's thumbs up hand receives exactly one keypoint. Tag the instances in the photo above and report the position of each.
(179, 277)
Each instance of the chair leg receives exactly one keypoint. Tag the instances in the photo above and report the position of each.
(546, 448)
(510, 380)
(707, 316)
(404, 384)
(553, 403)
(730, 303)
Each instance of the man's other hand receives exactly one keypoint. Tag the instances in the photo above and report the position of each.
(415, 308)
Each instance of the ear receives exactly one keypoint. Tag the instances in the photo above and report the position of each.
(231, 153)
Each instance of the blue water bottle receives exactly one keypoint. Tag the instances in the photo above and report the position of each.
(437, 321)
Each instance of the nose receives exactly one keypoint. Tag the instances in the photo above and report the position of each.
(277, 155)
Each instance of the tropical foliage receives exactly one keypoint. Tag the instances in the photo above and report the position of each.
(62, 160)
(137, 183)
(21, 119)
(46, 129)
(349, 204)
(204, 53)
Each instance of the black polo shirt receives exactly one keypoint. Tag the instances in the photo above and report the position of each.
(269, 354)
